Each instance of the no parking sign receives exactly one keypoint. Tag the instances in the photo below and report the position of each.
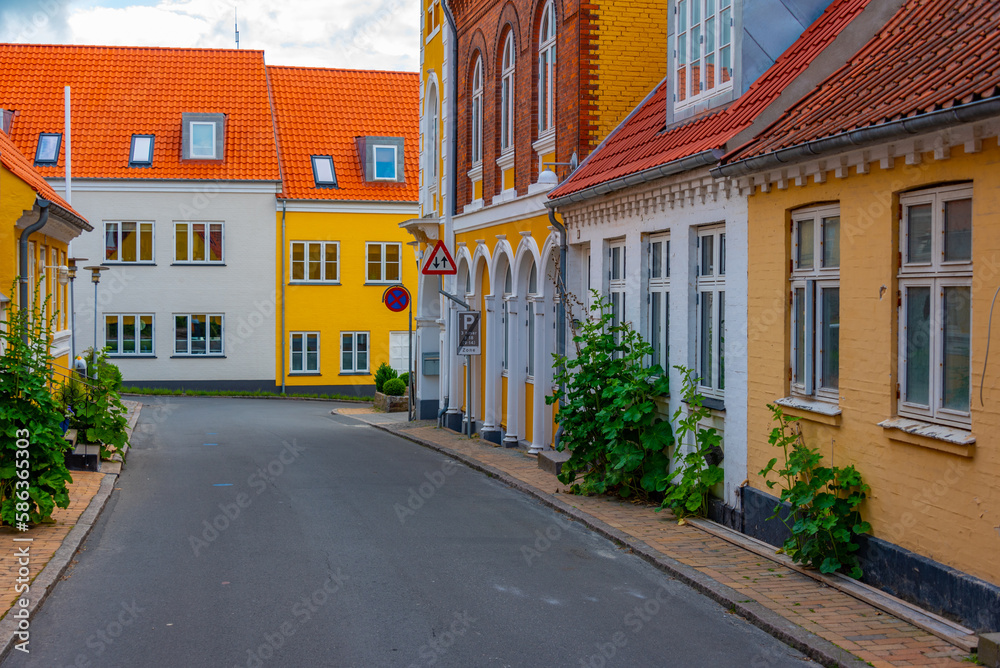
(396, 298)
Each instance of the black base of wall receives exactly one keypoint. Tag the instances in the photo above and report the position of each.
(453, 421)
(912, 577)
(492, 435)
(427, 409)
(725, 515)
(359, 391)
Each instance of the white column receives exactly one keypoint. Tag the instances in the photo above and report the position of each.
(490, 350)
(456, 388)
(543, 366)
(515, 376)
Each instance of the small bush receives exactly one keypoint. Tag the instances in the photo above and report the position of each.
(394, 387)
(382, 374)
(405, 377)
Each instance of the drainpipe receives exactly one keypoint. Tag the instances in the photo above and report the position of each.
(43, 218)
(561, 318)
(283, 295)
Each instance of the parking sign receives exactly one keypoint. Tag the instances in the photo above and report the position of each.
(468, 333)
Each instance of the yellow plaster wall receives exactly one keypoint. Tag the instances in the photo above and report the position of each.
(936, 503)
(631, 58)
(350, 306)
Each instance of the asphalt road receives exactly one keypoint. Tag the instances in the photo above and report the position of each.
(271, 533)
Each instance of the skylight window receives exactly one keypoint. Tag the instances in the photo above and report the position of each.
(141, 153)
(323, 173)
(48, 148)
(203, 140)
(385, 162)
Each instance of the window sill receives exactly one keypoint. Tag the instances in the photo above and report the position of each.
(305, 373)
(195, 357)
(383, 282)
(929, 435)
(811, 410)
(116, 263)
(315, 283)
(506, 159)
(354, 373)
(712, 403)
(126, 356)
(197, 264)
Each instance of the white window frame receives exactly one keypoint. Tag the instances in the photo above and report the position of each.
(141, 226)
(936, 275)
(119, 347)
(188, 347)
(477, 112)
(809, 285)
(209, 228)
(547, 70)
(508, 290)
(616, 282)
(433, 139)
(658, 298)
(191, 145)
(384, 264)
(306, 262)
(709, 31)
(529, 323)
(303, 354)
(354, 353)
(375, 162)
(711, 280)
(508, 66)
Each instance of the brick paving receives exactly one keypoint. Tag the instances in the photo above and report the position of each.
(863, 630)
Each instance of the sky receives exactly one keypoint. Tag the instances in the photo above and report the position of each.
(365, 34)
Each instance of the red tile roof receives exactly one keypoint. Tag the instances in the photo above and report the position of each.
(21, 167)
(641, 143)
(932, 54)
(118, 91)
(321, 111)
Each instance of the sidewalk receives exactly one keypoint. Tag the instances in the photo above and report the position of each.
(817, 619)
(52, 546)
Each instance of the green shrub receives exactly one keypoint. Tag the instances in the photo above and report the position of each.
(32, 486)
(405, 377)
(617, 439)
(394, 387)
(102, 417)
(382, 374)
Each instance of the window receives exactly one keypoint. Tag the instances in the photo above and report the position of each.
(383, 262)
(935, 314)
(710, 298)
(507, 94)
(354, 352)
(477, 112)
(530, 314)
(508, 289)
(324, 175)
(198, 242)
(128, 242)
(198, 334)
(385, 162)
(547, 69)
(47, 152)
(616, 284)
(202, 136)
(433, 142)
(141, 152)
(316, 261)
(815, 285)
(659, 300)
(703, 54)
(305, 352)
(399, 351)
(130, 334)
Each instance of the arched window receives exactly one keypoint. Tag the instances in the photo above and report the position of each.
(508, 288)
(507, 94)
(477, 111)
(547, 69)
(532, 289)
(433, 143)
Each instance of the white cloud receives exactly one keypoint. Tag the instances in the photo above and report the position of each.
(378, 34)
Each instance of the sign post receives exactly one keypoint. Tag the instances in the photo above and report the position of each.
(396, 298)
(468, 345)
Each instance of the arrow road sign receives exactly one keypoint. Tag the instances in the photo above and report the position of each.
(396, 298)
(439, 262)
(468, 333)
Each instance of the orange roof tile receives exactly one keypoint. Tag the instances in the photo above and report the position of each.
(118, 91)
(641, 143)
(320, 112)
(21, 167)
(932, 55)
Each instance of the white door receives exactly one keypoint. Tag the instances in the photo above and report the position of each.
(399, 351)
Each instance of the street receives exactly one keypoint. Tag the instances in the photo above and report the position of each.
(271, 533)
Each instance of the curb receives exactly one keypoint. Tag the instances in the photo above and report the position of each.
(45, 581)
(250, 396)
(810, 644)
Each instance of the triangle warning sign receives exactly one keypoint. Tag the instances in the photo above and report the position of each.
(439, 262)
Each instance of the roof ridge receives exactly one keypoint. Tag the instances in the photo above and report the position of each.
(341, 69)
(124, 47)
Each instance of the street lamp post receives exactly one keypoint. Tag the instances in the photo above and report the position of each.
(95, 277)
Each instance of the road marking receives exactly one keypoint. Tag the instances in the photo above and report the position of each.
(223, 484)
(209, 443)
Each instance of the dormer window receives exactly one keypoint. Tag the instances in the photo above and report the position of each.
(323, 174)
(203, 136)
(381, 158)
(703, 53)
(48, 148)
(141, 152)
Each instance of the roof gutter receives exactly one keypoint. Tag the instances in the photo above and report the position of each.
(43, 218)
(679, 166)
(868, 136)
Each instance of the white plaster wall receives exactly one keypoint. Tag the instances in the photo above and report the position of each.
(682, 222)
(243, 289)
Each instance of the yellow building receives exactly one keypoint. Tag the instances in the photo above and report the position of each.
(874, 233)
(348, 145)
(29, 206)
